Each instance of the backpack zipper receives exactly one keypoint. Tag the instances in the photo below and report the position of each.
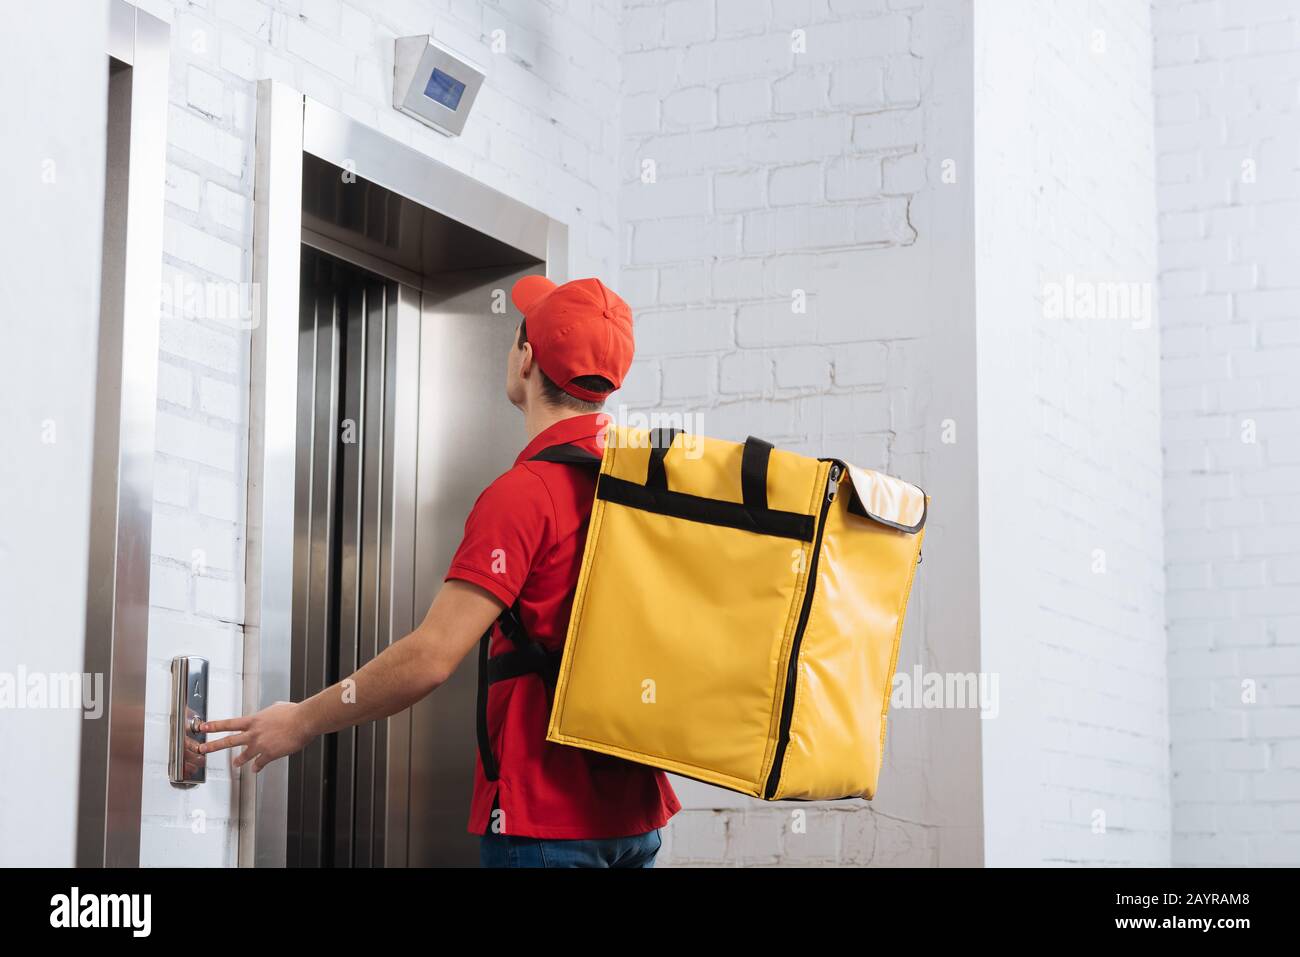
(792, 668)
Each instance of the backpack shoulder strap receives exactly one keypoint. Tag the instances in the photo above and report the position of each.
(528, 656)
(567, 454)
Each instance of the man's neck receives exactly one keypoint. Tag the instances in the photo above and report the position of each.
(541, 417)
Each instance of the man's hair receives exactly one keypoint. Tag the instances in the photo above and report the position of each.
(556, 396)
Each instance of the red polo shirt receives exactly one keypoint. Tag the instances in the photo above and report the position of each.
(524, 540)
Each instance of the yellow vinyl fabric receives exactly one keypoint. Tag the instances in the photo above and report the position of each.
(738, 614)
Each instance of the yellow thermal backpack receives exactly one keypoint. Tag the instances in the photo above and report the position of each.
(737, 616)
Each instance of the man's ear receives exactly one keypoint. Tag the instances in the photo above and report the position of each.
(526, 360)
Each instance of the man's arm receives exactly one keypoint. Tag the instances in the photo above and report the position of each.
(395, 679)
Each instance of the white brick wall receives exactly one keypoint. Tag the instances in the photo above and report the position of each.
(544, 130)
(1076, 766)
(770, 204)
(1228, 134)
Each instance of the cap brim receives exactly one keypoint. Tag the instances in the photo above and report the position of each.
(529, 291)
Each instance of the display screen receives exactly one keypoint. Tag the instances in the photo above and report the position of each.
(444, 88)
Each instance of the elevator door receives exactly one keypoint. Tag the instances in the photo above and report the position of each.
(402, 423)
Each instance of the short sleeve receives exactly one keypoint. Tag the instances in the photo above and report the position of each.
(506, 531)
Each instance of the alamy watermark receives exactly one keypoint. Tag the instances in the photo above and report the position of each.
(1073, 298)
(52, 690)
(131, 912)
(232, 304)
(640, 429)
(946, 689)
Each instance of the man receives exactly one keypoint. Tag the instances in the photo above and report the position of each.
(542, 804)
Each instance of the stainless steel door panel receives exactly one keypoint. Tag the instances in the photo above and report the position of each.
(373, 589)
(402, 397)
(314, 594)
(469, 434)
(397, 563)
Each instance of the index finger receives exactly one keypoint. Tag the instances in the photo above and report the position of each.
(233, 741)
(226, 724)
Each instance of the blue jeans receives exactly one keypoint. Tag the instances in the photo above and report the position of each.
(503, 850)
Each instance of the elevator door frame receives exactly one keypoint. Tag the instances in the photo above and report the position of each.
(290, 124)
(110, 787)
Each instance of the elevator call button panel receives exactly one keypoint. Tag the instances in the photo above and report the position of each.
(186, 766)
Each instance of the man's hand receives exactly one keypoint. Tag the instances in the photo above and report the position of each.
(395, 679)
(271, 733)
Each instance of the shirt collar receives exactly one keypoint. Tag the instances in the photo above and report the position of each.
(566, 430)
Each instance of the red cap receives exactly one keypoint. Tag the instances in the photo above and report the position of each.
(580, 328)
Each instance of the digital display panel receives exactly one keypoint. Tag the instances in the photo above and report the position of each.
(444, 88)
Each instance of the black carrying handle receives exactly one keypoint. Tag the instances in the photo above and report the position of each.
(661, 440)
(753, 472)
(753, 466)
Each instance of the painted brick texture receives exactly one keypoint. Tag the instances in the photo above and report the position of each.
(1071, 587)
(1227, 136)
